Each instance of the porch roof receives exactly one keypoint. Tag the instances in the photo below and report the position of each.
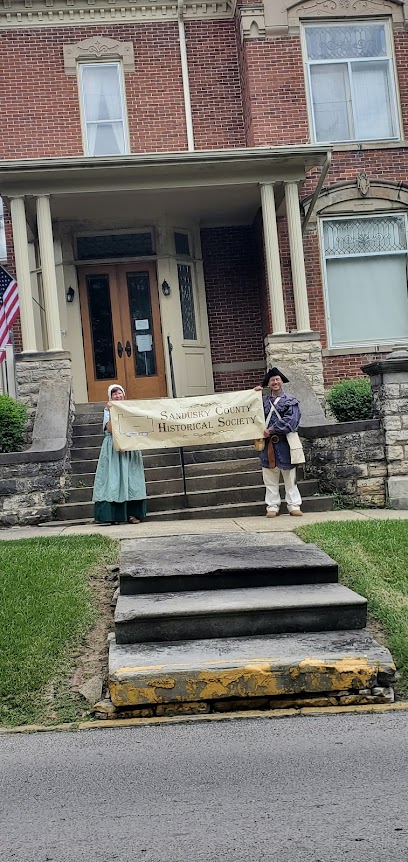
(155, 171)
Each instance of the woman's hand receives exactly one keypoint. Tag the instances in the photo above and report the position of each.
(108, 405)
(267, 433)
(257, 388)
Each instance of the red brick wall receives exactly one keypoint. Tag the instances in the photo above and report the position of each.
(215, 89)
(233, 300)
(41, 102)
(273, 71)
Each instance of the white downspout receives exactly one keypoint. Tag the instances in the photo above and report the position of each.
(184, 72)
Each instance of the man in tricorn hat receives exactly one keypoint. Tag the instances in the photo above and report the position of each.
(275, 457)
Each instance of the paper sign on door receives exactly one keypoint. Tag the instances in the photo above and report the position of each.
(144, 343)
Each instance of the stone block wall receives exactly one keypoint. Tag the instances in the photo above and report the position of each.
(302, 351)
(29, 491)
(32, 482)
(389, 382)
(348, 459)
(31, 370)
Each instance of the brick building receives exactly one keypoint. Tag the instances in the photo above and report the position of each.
(230, 180)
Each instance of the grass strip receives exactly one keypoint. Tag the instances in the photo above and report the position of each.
(45, 609)
(373, 560)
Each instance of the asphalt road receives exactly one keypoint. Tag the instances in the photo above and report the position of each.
(317, 788)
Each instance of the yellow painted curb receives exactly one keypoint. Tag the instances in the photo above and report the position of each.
(401, 706)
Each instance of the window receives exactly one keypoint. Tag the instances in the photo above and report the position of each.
(106, 246)
(3, 250)
(103, 109)
(182, 243)
(351, 82)
(366, 280)
(187, 302)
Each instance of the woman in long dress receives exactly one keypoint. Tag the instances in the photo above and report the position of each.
(119, 493)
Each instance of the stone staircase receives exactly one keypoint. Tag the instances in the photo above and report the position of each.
(218, 623)
(221, 481)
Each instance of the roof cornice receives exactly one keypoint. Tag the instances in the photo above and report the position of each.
(28, 14)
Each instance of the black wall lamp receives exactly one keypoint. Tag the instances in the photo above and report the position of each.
(166, 289)
(70, 294)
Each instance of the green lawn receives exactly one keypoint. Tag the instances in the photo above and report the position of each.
(373, 560)
(45, 609)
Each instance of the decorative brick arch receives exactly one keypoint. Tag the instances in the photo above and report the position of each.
(355, 198)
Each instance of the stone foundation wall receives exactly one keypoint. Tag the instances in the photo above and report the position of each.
(389, 382)
(31, 370)
(300, 351)
(29, 491)
(348, 459)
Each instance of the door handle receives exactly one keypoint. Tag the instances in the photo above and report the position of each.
(120, 350)
(128, 348)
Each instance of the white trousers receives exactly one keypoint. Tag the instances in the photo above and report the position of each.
(272, 495)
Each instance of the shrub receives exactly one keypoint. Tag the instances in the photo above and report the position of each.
(13, 420)
(351, 400)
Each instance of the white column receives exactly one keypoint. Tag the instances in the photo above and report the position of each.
(46, 243)
(20, 242)
(297, 257)
(272, 259)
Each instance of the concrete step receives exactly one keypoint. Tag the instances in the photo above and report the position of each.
(232, 613)
(212, 671)
(208, 562)
(84, 511)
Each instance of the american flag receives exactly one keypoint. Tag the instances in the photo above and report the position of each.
(9, 307)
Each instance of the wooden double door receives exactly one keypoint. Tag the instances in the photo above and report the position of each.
(121, 330)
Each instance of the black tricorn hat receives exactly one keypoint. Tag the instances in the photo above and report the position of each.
(274, 372)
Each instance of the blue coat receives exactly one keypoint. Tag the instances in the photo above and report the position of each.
(289, 409)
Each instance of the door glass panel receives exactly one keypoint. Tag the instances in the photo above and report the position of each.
(187, 302)
(142, 324)
(100, 316)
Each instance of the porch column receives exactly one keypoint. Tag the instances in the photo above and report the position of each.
(297, 257)
(20, 241)
(272, 259)
(46, 243)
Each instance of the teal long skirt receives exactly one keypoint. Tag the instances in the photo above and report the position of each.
(120, 489)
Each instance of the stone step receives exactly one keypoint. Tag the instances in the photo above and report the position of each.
(221, 669)
(83, 494)
(208, 562)
(162, 458)
(234, 613)
(152, 474)
(84, 511)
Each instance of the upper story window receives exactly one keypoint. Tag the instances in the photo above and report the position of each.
(351, 82)
(103, 109)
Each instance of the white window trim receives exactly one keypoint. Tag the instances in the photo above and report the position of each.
(394, 87)
(84, 124)
(365, 345)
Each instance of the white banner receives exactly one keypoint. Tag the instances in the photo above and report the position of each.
(163, 423)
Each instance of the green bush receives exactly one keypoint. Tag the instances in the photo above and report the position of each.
(351, 400)
(13, 420)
